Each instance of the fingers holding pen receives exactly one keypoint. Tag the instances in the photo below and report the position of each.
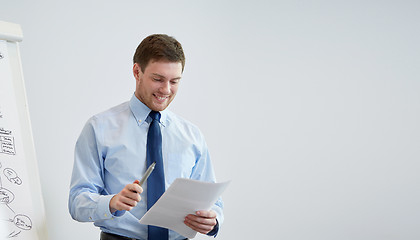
(133, 191)
(127, 198)
(136, 187)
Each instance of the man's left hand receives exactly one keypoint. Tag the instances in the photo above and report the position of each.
(202, 222)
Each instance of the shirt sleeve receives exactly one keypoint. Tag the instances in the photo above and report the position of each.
(88, 200)
(203, 171)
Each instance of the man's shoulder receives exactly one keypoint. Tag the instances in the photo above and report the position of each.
(182, 123)
(177, 119)
(112, 113)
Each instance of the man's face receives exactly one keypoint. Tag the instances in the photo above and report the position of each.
(157, 86)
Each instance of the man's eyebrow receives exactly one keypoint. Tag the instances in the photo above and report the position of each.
(161, 76)
(156, 74)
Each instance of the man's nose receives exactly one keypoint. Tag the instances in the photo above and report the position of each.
(165, 87)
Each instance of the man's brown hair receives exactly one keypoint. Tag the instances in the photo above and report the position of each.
(158, 47)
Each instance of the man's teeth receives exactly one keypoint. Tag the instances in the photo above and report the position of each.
(161, 98)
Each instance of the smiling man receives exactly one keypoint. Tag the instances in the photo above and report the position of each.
(116, 147)
(157, 86)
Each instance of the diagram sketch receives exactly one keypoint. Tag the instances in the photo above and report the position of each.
(18, 222)
(7, 143)
(12, 176)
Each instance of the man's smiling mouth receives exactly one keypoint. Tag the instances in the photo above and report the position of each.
(160, 98)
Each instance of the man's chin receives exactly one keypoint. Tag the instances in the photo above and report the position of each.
(159, 108)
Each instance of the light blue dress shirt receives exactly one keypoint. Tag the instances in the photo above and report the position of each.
(111, 153)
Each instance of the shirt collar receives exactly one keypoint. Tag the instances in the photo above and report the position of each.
(141, 112)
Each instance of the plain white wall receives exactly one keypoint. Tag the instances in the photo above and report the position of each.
(312, 108)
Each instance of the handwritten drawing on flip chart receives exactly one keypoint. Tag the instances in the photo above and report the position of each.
(7, 143)
(15, 197)
(18, 222)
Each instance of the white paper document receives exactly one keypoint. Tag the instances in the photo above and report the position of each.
(183, 197)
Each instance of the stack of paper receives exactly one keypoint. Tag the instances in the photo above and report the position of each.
(183, 197)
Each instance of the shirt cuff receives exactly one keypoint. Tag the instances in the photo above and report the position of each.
(103, 208)
(215, 230)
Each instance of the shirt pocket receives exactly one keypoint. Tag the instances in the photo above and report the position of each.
(179, 165)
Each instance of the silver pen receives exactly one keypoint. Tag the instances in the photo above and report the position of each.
(147, 174)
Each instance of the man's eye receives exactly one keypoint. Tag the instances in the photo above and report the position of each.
(174, 82)
(157, 79)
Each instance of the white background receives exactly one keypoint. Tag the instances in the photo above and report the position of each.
(312, 108)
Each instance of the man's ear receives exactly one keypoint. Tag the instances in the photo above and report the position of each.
(137, 71)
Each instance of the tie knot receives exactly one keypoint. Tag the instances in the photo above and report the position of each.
(155, 115)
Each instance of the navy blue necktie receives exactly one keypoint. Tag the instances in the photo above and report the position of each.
(156, 181)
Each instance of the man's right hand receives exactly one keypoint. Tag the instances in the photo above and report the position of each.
(127, 198)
